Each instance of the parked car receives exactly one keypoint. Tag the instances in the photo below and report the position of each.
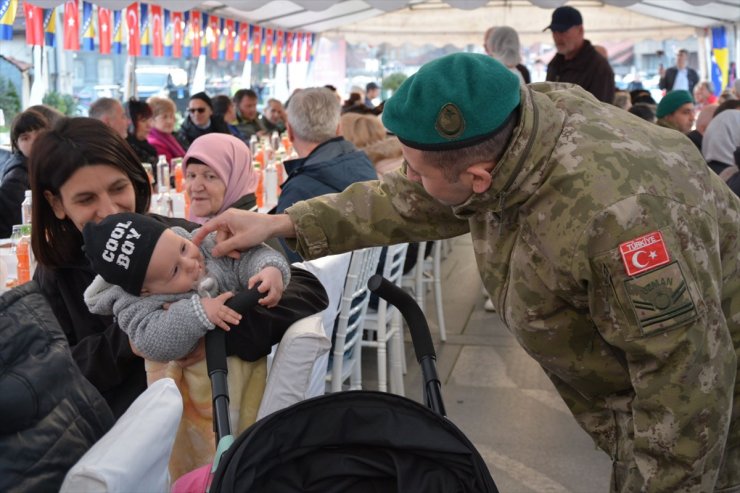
(163, 81)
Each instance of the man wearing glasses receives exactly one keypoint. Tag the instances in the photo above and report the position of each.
(200, 120)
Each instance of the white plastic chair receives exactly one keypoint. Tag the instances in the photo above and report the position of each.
(385, 324)
(346, 361)
(428, 270)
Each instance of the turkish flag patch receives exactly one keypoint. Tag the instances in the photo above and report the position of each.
(644, 253)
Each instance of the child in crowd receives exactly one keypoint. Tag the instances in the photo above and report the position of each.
(166, 293)
(144, 267)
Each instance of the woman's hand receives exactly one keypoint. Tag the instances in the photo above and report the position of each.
(272, 284)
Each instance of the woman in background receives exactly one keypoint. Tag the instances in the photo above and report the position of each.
(141, 123)
(161, 136)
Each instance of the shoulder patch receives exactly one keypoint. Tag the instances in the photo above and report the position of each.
(661, 299)
(644, 253)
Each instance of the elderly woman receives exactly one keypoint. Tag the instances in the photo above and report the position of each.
(368, 134)
(97, 176)
(161, 136)
(721, 147)
(502, 43)
(219, 175)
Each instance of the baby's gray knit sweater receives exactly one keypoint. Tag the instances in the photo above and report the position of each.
(165, 335)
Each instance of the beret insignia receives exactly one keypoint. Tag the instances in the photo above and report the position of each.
(450, 123)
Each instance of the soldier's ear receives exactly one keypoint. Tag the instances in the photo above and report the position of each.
(481, 175)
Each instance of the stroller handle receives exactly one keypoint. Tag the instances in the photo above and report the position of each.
(216, 362)
(420, 336)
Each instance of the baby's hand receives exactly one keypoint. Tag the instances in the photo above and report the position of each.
(272, 284)
(219, 314)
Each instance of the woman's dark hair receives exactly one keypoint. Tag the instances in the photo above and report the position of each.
(644, 111)
(730, 104)
(221, 104)
(72, 144)
(138, 110)
(28, 121)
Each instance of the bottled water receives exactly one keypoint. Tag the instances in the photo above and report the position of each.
(26, 208)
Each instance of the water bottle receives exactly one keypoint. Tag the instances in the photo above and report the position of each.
(163, 200)
(271, 184)
(26, 208)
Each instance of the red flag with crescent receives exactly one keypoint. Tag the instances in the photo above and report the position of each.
(132, 24)
(644, 253)
(71, 25)
(157, 20)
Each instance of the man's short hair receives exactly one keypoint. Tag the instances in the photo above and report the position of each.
(313, 114)
(683, 51)
(102, 107)
(455, 161)
(244, 93)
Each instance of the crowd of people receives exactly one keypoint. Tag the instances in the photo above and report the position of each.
(627, 295)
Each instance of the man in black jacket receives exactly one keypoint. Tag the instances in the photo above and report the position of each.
(680, 77)
(577, 61)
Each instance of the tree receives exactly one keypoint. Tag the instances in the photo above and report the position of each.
(63, 102)
(394, 81)
(10, 103)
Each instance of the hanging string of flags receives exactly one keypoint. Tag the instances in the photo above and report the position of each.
(150, 30)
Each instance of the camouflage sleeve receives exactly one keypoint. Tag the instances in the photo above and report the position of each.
(657, 301)
(372, 213)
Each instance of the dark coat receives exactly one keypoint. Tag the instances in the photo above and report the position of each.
(588, 69)
(13, 188)
(189, 132)
(331, 167)
(102, 351)
(667, 81)
(51, 415)
(144, 151)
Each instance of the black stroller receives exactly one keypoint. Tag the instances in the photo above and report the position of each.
(356, 441)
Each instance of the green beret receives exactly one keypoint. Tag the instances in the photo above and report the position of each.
(452, 102)
(673, 101)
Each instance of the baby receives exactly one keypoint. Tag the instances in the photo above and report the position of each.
(164, 290)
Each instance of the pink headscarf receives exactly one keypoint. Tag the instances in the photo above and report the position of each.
(230, 159)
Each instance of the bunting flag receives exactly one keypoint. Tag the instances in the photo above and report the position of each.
(289, 39)
(720, 60)
(168, 33)
(203, 34)
(256, 43)
(157, 23)
(88, 27)
(8, 10)
(177, 34)
(266, 53)
(241, 40)
(195, 32)
(187, 35)
(300, 37)
(146, 37)
(228, 36)
(34, 24)
(214, 35)
(132, 24)
(280, 46)
(50, 27)
(71, 25)
(310, 46)
(117, 32)
(105, 30)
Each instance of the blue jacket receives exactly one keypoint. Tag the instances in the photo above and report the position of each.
(331, 167)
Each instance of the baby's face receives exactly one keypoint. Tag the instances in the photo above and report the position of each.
(175, 267)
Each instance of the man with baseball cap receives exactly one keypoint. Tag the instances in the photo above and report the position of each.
(607, 245)
(577, 61)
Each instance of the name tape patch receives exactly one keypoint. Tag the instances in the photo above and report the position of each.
(644, 253)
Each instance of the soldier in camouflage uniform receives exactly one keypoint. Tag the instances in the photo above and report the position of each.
(609, 248)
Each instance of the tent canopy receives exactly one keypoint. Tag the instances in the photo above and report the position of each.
(341, 15)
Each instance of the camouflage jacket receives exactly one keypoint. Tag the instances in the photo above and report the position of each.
(612, 252)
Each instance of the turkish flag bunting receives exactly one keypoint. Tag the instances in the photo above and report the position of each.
(230, 33)
(71, 25)
(257, 44)
(34, 24)
(176, 34)
(214, 26)
(290, 36)
(157, 23)
(299, 46)
(105, 30)
(132, 24)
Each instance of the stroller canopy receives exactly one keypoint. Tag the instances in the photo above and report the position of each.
(353, 441)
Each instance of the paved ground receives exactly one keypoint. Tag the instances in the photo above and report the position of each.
(498, 396)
